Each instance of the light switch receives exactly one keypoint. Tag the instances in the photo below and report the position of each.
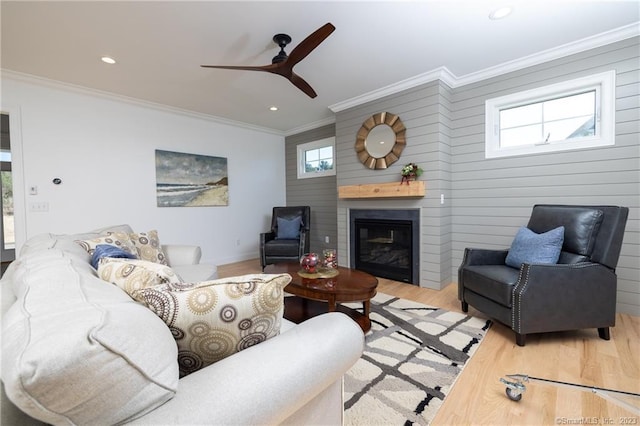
(39, 207)
(33, 190)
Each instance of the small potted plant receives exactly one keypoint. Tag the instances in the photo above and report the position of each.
(410, 172)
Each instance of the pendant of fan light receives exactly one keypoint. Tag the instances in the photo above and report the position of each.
(282, 64)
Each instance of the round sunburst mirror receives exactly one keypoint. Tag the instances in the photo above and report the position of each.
(380, 140)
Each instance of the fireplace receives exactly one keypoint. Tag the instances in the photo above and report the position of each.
(385, 243)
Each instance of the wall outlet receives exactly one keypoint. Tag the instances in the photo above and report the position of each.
(326, 239)
(441, 198)
(238, 242)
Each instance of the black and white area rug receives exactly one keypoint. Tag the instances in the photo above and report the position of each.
(412, 357)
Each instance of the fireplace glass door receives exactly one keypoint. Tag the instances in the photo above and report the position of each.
(384, 248)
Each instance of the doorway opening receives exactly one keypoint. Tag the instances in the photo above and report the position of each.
(7, 228)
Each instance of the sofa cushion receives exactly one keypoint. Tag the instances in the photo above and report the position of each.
(118, 239)
(282, 247)
(581, 225)
(43, 242)
(572, 258)
(529, 247)
(493, 281)
(288, 228)
(211, 320)
(75, 350)
(196, 273)
(134, 274)
(148, 246)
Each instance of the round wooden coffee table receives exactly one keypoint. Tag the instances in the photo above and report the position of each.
(314, 296)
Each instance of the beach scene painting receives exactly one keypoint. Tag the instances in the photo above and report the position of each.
(191, 180)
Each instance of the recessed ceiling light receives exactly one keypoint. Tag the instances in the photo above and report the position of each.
(500, 13)
(273, 108)
(108, 60)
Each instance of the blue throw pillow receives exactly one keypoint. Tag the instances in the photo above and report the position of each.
(288, 229)
(529, 247)
(107, 250)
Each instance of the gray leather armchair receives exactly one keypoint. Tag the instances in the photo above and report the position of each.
(578, 292)
(274, 247)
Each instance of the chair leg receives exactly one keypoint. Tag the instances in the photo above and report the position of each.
(465, 307)
(520, 339)
(604, 333)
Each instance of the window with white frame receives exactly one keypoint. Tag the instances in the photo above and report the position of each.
(316, 159)
(571, 115)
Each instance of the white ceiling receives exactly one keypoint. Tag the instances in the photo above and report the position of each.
(160, 45)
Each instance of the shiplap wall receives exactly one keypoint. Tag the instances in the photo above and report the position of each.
(425, 113)
(486, 200)
(318, 193)
(491, 198)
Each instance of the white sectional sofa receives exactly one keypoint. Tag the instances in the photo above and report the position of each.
(79, 350)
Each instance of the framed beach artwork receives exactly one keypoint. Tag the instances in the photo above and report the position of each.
(191, 180)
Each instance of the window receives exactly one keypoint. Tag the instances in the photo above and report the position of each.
(570, 115)
(315, 159)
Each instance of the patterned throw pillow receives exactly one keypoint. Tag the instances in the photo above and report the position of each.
(134, 274)
(211, 320)
(148, 246)
(118, 239)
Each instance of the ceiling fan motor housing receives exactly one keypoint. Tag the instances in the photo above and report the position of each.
(281, 40)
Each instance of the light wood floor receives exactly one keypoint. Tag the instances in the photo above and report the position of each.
(579, 357)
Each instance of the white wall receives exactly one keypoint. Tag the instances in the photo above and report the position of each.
(103, 149)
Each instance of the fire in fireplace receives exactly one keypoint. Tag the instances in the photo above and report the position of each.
(385, 243)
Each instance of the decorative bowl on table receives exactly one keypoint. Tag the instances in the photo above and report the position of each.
(309, 262)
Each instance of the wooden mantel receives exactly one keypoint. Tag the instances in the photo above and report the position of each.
(414, 189)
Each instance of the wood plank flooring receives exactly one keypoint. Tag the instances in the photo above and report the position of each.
(478, 397)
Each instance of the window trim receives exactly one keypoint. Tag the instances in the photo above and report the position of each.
(317, 144)
(604, 85)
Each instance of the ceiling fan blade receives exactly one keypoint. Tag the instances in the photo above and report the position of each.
(267, 68)
(302, 85)
(308, 44)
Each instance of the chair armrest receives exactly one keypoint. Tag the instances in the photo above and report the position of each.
(182, 254)
(304, 242)
(474, 256)
(564, 297)
(267, 236)
(268, 382)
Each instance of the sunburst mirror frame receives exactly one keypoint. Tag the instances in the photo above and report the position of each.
(379, 119)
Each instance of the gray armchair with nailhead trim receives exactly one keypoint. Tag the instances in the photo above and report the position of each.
(577, 292)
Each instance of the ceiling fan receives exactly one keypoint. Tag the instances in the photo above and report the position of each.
(282, 64)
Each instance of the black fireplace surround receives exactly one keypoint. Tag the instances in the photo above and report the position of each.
(385, 243)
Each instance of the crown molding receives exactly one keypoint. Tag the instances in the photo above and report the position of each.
(311, 126)
(447, 77)
(54, 84)
(592, 42)
(441, 73)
